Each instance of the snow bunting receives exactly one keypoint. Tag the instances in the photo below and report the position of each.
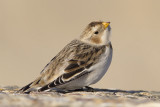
(82, 62)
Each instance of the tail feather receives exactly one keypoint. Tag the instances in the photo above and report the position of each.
(34, 84)
(23, 89)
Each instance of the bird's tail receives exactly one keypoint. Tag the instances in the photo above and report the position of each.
(33, 85)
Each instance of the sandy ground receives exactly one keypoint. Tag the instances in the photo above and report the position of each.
(98, 98)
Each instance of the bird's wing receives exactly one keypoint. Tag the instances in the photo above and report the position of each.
(54, 68)
(71, 62)
(72, 71)
(79, 64)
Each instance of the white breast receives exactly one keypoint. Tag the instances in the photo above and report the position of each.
(100, 68)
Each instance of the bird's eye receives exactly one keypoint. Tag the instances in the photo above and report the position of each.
(96, 32)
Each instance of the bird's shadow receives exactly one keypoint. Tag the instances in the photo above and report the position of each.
(91, 90)
(102, 90)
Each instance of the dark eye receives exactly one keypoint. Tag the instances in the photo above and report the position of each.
(96, 32)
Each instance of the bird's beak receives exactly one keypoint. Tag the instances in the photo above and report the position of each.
(106, 24)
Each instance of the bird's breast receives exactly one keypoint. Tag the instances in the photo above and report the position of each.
(100, 68)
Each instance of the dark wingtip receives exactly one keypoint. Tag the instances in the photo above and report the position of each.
(23, 89)
(43, 88)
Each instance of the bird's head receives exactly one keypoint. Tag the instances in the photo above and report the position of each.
(97, 33)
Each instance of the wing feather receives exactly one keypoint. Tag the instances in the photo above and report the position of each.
(62, 80)
(78, 65)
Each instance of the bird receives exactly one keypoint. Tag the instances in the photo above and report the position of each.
(81, 63)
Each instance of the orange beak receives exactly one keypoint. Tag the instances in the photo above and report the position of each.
(106, 24)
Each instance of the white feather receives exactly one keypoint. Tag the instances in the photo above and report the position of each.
(99, 69)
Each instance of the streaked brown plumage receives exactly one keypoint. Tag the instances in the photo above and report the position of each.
(75, 60)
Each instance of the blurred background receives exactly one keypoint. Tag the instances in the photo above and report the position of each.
(32, 32)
